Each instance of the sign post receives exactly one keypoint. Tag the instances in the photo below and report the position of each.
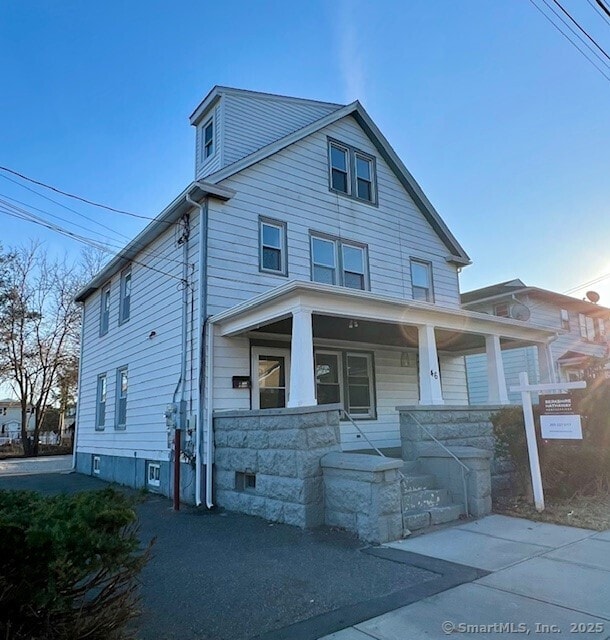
(530, 429)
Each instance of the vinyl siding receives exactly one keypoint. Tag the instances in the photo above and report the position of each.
(251, 123)
(214, 162)
(545, 313)
(395, 385)
(292, 186)
(153, 363)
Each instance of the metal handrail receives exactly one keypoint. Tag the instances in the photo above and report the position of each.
(464, 468)
(401, 475)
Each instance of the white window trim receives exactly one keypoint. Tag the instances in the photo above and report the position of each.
(127, 272)
(430, 289)
(100, 425)
(152, 481)
(352, 184)
(96, 465)
(564, 317)
(283, 228)
(105, 290)
(208, 122)
(339, 267)
(117, 424)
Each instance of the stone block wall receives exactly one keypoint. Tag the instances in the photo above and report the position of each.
(455, 426)
(279, 450)
(448, 473)
(362, 494)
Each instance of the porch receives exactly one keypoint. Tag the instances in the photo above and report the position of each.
(308, 344)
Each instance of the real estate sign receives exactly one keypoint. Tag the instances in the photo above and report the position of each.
(559, 419)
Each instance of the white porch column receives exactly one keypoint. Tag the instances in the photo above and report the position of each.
(302, 382)
(496, 382)
(430, 391)
(545, 363)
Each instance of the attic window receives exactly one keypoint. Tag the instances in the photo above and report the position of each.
(207, 139)
(351, 172)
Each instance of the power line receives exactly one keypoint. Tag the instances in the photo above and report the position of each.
(604, 17)
(603, 7)
(140, 246)
(75, 197)
(581, 29)
(30, 217)
(567, 37)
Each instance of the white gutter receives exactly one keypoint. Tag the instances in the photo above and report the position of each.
(209, 427)
(80, 387)
(200, 340)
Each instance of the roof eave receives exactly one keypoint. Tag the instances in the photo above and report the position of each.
(174, 211)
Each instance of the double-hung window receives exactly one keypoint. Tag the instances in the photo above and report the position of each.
(587, 326)
(346, 378)
(421, 280)
(105, 310)
(336, 261)
(565, 319)
(339, 168)
(100, 409)
(352, 172)
(273, 246)
(125, 308)
(121, 397)
(207, 141)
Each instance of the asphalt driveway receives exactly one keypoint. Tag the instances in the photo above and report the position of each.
(225, 576)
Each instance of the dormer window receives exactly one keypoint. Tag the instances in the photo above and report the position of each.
(351, 172)
(208, 139)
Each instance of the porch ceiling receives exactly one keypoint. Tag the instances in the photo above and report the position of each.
(381, 319)
(391, 335)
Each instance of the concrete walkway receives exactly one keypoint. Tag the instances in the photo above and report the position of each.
(545, 580)
(43, 464)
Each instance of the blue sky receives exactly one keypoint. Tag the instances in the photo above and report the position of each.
(503, 123)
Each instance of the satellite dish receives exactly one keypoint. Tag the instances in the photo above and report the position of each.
(592, 296)
(520, 312)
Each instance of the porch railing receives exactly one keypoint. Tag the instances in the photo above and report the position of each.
(464, 468)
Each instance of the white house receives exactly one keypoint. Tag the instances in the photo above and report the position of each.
(10, 420)
(303, 266)
(581, 336)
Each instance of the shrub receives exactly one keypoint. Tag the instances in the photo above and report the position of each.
(567, 469)
(68, 565)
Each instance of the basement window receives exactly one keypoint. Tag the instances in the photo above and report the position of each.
(245, 481)
(96, 465)
(153, 475)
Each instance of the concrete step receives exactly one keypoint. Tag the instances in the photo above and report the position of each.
(417, 482)
(422, 518)
(409, 467)
(425, 499)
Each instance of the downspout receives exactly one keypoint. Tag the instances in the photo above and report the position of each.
(203, 242)
(182, 382)
(80, 387)
(209, 426)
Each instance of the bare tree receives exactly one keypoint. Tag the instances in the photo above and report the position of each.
(39, 331)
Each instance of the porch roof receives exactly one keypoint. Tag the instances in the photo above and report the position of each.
(340, 302)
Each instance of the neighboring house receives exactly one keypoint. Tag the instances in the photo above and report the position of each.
(580, 341)
(303, 266)
(10, 420)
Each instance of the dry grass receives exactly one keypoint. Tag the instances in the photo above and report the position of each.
(588, 512)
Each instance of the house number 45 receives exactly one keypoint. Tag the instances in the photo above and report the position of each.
(434, 374)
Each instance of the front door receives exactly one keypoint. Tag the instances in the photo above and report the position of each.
(270, 377)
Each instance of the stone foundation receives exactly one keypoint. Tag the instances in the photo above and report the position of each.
(267, 462)
(362, 493)
(454, 426)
